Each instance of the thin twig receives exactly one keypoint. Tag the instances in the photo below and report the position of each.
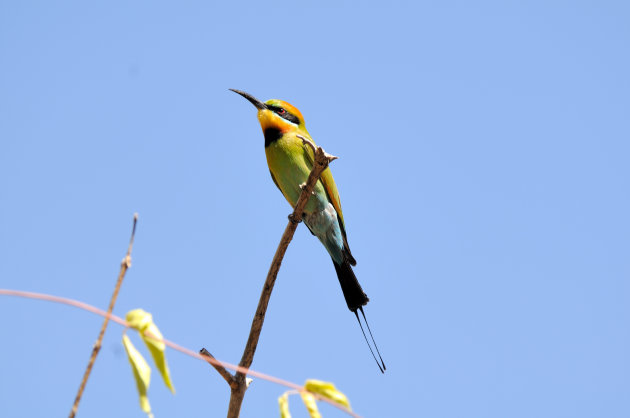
(229, 377)
(320, 162)
(64, 301)
(124, 265)
(174, 346)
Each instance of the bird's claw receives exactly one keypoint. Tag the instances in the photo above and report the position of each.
(293, 219)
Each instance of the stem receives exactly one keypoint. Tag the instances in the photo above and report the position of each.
(321, 161)
(124, 265)
(229, 378)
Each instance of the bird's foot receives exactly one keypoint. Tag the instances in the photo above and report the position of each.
(293, 219)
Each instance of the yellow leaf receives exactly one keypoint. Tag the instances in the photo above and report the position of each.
(138, 319)
(141, 373)
(311, 405)
(283, 401)
(327, 390)
(152, 337)
(157, 349)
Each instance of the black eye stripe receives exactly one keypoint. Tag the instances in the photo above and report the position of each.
(286, 114)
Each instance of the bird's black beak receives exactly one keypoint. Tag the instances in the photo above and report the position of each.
(259, 105)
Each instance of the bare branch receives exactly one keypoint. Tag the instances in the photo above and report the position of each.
(229, 377)
(320, 162)
(124, 265)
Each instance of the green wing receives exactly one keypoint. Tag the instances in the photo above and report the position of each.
(332, 193)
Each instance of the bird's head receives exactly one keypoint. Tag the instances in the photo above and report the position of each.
(276, 114)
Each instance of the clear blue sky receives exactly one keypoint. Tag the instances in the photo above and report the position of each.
(484, 175)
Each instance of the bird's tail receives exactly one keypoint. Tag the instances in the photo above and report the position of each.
(352, 291)
(355, 299)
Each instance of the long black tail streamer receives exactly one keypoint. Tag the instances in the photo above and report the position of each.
(381, 368)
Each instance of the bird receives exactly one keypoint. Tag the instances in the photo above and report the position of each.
(290, 164)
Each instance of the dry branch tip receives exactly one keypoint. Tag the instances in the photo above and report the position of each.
(124, 266)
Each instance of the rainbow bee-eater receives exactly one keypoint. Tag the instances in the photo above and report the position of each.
(290, 164)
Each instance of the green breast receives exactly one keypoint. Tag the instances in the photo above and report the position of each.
(289, 167)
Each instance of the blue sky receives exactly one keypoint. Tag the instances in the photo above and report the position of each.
(483, 173)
